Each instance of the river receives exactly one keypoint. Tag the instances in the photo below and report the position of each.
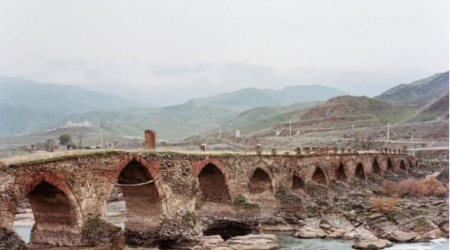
(288, 242)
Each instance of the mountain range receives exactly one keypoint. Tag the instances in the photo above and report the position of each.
(419, 101)
(27, 106)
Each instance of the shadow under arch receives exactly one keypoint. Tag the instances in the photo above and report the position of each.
(142, 196)
(390, 167)
(298, 184)
(213, 185)
(360, 172)
(341, 173)
(58, 217)
(376, 168)
(260, 182)
(403, 165)
(319, 176)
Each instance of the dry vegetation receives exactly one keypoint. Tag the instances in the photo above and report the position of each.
(411, 186)
(384, 205)
(416, 187)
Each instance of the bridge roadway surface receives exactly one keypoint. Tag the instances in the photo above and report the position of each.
(65, 190)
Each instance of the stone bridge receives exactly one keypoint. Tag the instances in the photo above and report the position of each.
(170, 194)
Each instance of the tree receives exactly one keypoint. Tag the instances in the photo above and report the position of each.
(65, 139)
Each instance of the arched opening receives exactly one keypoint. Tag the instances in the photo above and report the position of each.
(260, 182)
(298, 185)
(359, 172)
(212, 185)
(390, 166)
(319, 176)
(411, 164)
(142, 201)
(376, 169)
(402, 165)
(340, 173)
(227, 229)
(53, 215)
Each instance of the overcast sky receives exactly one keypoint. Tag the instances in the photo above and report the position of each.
(160, 45)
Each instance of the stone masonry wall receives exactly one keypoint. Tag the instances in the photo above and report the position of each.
(85, 183)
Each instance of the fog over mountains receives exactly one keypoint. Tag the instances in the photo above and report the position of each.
(170, 85)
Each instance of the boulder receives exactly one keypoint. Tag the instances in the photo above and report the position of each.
(247, 242)
(97, 232)
(254, 242)
(359, 233)
(421, 225)
(401, 236)
(371, 244)
(11, 241)
(431, 235)
(444, 227)
(310, 232)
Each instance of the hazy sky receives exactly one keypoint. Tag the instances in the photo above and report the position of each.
(152, 45)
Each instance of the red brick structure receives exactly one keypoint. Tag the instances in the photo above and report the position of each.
(150, 139)
(161, 188)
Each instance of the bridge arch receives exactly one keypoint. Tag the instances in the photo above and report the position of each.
(58, 217)
(298, 184)
(319, 175)
(139, 182)
(376, 168)
(213, 184)
(341, 173)
(260, 181)
(403, 165)
(390, 166)
(360, 172)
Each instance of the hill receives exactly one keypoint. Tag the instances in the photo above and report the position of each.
(27, 106)
(248, 98)
(198, 116)
(261, 118)
(345, 112)
(418, 92)
(57, 98)
(436, 109)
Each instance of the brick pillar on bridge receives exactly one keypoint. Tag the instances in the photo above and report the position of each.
(150, 139)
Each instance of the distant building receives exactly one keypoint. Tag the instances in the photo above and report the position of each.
(71, 124)
(49, 145)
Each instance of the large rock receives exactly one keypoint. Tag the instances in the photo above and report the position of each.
(359, 233)
(97, 232)
(401, 236)
(11, 241)
(310, 229)
(371, 244)
(444, 227)
(247, 242)
(431, 235)
(254, 242)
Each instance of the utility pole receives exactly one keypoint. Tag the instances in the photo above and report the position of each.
(388, 132)
(290, 127)
(220, 131)
(101, 136)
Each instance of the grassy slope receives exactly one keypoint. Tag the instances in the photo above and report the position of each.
(419, 92)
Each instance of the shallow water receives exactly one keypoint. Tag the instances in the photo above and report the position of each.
(288, 242)
(23, 232)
